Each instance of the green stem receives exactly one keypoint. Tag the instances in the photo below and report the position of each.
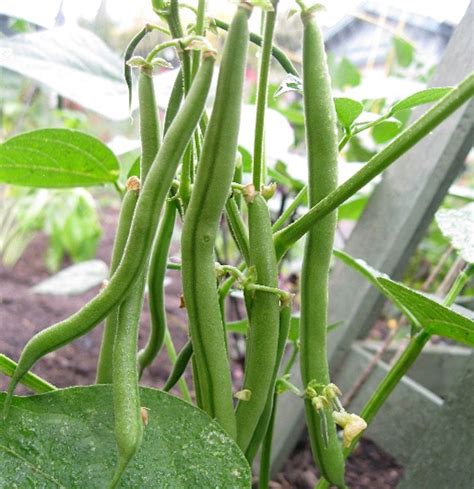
(349, 135)
(283, 294)
(262, 96)
(30, 380)
(199, 31)
(177, 32)
(291, 361)
(266, 455)
(170, 349)
(277, 53)
(378, 163)
(237, 228)
(288, 212)
(461, 280)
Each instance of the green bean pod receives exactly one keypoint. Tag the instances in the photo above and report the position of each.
(175, 101)
(159, 255)
(126, 393)
(127, 69)
(127, 409)
(210, 192)
(150, 142)
(179, 366)
(143, 229)
(321, 141)
(104, 364)
(150, 132)
(237, 227)
(263, 426)
(264, 318)
(156, 292)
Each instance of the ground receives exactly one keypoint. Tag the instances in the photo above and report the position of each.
(23, 314)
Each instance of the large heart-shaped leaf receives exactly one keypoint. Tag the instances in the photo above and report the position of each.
(56, 158)
(432, 316)
(75, 63)
(65, 439)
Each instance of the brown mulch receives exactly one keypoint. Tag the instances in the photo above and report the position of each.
(23, 314)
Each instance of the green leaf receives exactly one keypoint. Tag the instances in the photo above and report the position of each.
(239, 327)
(386, 130)
(135, 168)
(344, 74)
(432, 316)
(372, 276)
(73, 62)
(456, 332)
(56, 158)
(246, 159)
(360, 266)
(458, 226)
(66, 439)
(404, 52)
(352, 209)
(420, 98)
(347, 110)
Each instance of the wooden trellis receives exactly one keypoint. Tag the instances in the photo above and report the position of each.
(394, 221)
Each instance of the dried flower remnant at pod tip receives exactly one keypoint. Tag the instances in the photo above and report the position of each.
(352, 425)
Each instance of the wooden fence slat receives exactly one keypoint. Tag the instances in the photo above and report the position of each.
(444, 455)
(437, 368)
(393, 222)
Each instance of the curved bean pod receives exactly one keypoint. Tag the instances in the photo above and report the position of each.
(156, 277)
(127, 69)
(159, 254)
(143, 228)
(264, 429)
(150, 142)
(150, 132)
(264, 318)
(104, 364)
(321, 140)
(179, 366)
(174, 102)
(211, 189)
(126, 393)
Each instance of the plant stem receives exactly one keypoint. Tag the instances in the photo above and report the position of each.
(277, 53)
(288, 212)
(30, 380)
(291, 361)
(266, 455)
(262, 96)
(378, 163)
(348, 136)
(199, 31)
(170, 349)
(237, 228)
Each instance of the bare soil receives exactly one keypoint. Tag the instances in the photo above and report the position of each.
(22, 314)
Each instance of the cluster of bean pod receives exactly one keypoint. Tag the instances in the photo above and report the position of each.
(207, 151)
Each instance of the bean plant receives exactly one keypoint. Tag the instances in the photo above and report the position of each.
(188, 178)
